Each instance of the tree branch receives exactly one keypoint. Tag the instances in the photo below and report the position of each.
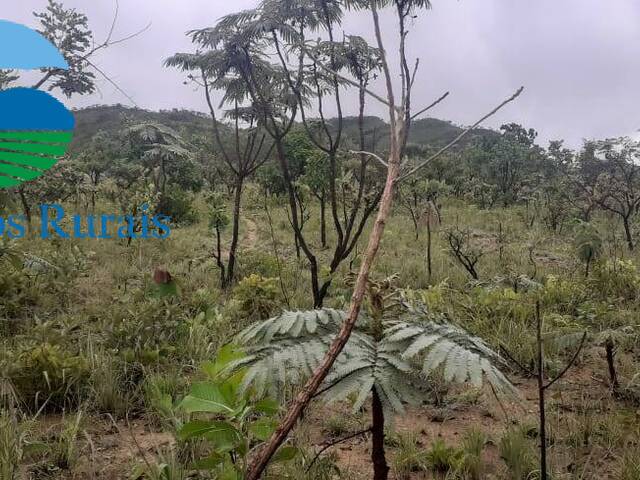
(370, 154)
(569, 365)
(460, 137)
(446, 94)
(336, 442)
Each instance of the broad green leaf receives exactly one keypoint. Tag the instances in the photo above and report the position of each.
(268, 406)
(206, 398)
(285, 454)
(263, 428)
(222, 435)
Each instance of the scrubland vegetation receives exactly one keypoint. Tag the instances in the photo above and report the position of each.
(508, 272)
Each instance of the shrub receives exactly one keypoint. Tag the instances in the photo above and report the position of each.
(257, 296)
(49, 373)
(178, 205)
(616, 279)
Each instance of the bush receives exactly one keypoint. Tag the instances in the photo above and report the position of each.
(616, 279)
(257, 296)
(47, 373)
(178, 205)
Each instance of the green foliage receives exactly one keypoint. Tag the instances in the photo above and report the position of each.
(257, 296)
(285, 349)
(410, 457)
(588, 243)
(443, 458)
(228, 418)
(616, 279)
(177, 204)
(48, 374)
(68, 30)
(517, 452)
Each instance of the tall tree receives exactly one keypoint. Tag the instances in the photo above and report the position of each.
(249, 146)
(400, 116)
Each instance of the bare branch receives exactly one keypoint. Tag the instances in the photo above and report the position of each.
(445, 95)
(570, 364)
(373, 155)
(459, 137)
(111, 81)
(336, 442)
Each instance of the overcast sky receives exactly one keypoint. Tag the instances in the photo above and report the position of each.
(579, 60)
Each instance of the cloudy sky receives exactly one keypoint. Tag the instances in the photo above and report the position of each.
(579, 60)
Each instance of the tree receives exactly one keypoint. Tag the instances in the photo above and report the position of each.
(277, 93)
(160, 150)
(385, 362)
(218, 70)
(618, 186)
(419, 197)
(400, 116)
(506, 162)
(98, 158)
(68, 31)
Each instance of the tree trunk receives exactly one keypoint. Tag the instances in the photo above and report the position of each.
(380, 467)
(26, 208)
(627, 232)
(541, 400)
(235, 232)
(261, 460)
(429, 260)
(611, 355)
(323, 222)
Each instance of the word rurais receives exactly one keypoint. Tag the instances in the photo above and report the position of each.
(55, 223)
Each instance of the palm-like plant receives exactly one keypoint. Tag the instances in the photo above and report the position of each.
(388, 359)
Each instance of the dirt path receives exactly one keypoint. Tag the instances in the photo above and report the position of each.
(250, 239)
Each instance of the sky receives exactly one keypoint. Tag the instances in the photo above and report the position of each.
(579, 60)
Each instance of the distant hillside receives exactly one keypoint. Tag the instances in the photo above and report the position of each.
(428, 131)
(111, 118)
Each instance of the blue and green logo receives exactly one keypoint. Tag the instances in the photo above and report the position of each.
(35, 128)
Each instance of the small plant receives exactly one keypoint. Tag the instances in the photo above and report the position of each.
(168, 467)
(629, 466)
(518, 454)
(228, 418)
(471, 463)
(443, 458)
(64, 450)
(258, 297)
(588, 244)
(49, 373)
(12, 445)
(410, 457)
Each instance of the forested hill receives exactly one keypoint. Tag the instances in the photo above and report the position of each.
(110, 118)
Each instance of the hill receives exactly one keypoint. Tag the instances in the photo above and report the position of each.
(425, 132)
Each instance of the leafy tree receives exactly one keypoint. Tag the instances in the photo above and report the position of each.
(165, 158)
(506, 162)
(249, 148)
(69, 31)
(618, 186)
